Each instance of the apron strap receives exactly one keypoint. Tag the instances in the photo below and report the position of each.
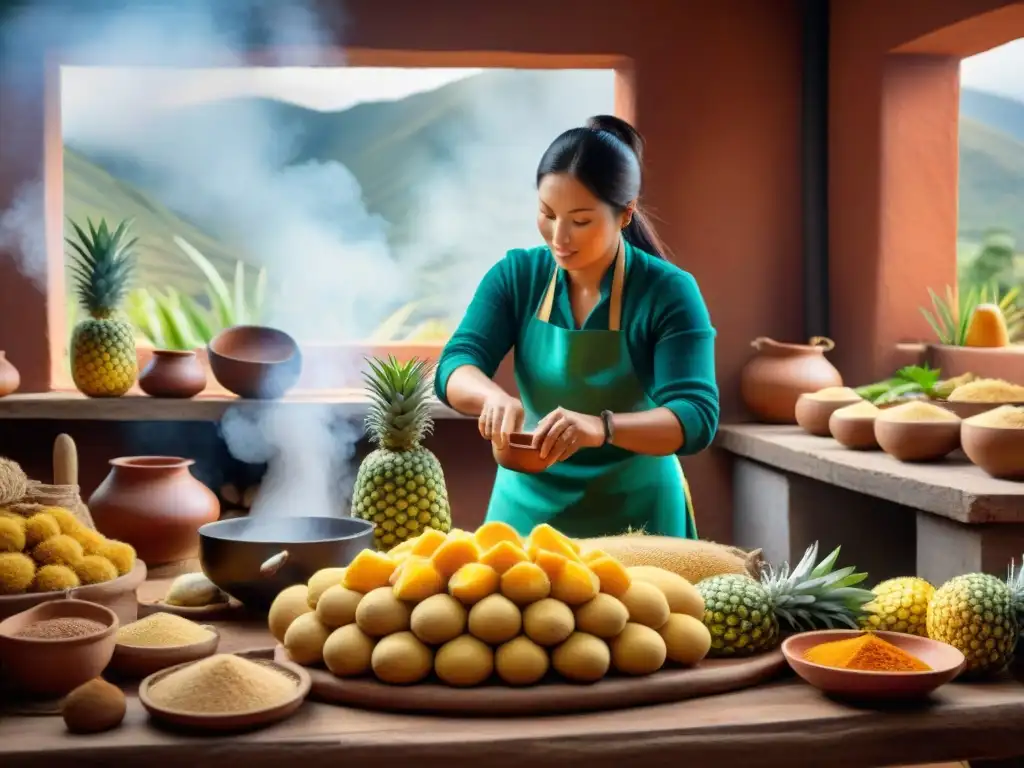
(614, 303)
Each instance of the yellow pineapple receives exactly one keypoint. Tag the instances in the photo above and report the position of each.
(900, 605)
(103, 362)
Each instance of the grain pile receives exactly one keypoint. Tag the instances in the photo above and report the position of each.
(861, 410)
(60, 629)
(1003, 417)
(222, 684)
(833, 394)
(988, 391)
(917, 411)
(162, 630)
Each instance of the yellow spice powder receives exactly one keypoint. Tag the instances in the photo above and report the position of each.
(917, 410)
(835, 393)
(162, 630)
(988, 391)
(861, 410)
(1003, 417)
(222, 684)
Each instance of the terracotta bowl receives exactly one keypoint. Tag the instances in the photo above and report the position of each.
(255, 362)
(946, 663)
(521, 456)
(918, 440)
(857, 433)
(998, 451)
(966, 410)
(133, 661)
(118, 595)
(56, 667)
(813, 415)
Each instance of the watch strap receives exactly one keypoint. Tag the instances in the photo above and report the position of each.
(609, 427)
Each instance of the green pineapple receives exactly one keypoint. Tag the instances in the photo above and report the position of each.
(743, 615)
(400, 486)
(103, 362)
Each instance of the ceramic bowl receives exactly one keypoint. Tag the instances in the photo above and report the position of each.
(255, 362)
(55, 667)
(998, 451)
(520, 455)
(118, 595)
(946, 663)
(966, 410)
(857, 433)
(813, 415)
(135, 661)
(918, 440)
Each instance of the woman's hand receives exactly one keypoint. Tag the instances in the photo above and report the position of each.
(561, 433)
(500, 416)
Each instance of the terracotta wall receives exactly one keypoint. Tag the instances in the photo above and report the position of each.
(717, 89)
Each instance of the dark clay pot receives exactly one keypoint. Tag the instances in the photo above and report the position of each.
(254, 361)
(156, 505)
(773, 380)
(173, 373)
(10, 379)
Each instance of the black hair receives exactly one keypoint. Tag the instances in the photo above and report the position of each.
(606, 156)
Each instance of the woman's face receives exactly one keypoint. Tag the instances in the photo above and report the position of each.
(580, 229)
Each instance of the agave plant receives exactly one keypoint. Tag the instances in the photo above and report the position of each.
(950, 318)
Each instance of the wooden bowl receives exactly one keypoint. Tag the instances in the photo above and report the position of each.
(117, 594)
(946, 663)
(520, 455)
(966, 410)
(857, 433)
(813, 415)
(917, 440)
(999, 451)
(233, 721)
(135, 661)
(55, 667)
(255, 362)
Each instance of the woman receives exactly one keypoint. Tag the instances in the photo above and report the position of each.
(614, 352)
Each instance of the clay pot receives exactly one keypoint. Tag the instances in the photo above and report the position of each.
(173, 373)
(156, 505)
(117, 595)
(255, 362)
(521, 456)
(917, 440)
(773, 380)
(999, 451)
(812, 415)
(857, 433)
(10, 379)
(985, 362)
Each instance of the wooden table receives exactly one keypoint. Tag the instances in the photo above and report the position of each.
(786, 724)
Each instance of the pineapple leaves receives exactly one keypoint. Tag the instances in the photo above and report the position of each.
(102, 265)
(399, 415)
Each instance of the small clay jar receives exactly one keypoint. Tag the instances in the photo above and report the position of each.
(173, 373)
(813, 415)
(856, 433)
(999, 451)
(917, 441)
(10, 379)
(773, 380)
(156, 505)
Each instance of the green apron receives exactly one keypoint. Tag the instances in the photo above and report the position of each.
(598, 491)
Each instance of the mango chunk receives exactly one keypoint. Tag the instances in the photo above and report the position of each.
(453, 554)
(575, 584)
(491, 534)
(473, 582)
(525, 583)
(368, 570)
(552, 563)
(418, 580)
(593, 554)
(503, 556)
(612, 574)
(546, 537)
(427, 542)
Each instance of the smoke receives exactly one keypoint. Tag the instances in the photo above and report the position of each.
(335, 269)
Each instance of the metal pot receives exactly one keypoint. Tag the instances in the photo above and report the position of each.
(253, 560)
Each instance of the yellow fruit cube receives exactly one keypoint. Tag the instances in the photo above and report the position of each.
(427, 542)
(503, 556)
(592, 555)
(546, 537)
(552, 563)
(473, 582)
(453, 554)
(612, 574)
(418, 580)
(491, 534)
(368, 570)
(575, 584)
(525, 583)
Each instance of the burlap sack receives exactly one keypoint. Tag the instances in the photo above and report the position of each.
(41, 495)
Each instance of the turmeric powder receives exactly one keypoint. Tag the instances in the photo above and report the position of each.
(866, 653)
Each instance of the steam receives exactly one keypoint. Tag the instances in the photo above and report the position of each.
(334, 275)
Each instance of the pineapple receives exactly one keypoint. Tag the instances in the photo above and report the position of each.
(900, 605)
(400, 486)
(103, 362)
(743, 614)
(981, 616)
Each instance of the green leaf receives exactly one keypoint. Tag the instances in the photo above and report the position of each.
(218, 289)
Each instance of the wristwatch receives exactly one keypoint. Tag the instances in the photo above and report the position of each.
(609, 427)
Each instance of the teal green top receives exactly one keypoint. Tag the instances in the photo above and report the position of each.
(668, 330)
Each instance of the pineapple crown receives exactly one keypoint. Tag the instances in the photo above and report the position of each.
(810, 595)
(1015, 583)
(101, 265)
(399, 415)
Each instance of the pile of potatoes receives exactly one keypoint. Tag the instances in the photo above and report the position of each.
(472, 607)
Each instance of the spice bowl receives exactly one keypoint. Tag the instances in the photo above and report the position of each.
(946, 663)
(854, 432)
(54, 666)
(813, 413)
(912, 441)
(138, 661)
(999, 451)
(520, 455)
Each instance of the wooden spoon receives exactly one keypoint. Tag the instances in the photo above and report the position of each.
(65, 461)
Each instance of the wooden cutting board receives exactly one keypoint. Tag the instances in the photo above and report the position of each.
(552, 698)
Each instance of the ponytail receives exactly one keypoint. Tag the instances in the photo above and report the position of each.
(641, 234)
